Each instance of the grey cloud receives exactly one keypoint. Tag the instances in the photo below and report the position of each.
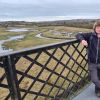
(49, 7)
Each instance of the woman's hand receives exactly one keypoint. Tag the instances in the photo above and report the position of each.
(84, 42)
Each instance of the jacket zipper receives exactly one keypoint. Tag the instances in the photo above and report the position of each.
(97, 51)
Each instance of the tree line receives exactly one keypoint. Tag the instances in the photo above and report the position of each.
(82, 23)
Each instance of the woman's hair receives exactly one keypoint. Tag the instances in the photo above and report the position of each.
(97, 23)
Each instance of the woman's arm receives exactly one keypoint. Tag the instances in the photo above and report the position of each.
(83, 38)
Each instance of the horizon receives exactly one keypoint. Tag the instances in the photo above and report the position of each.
(48, 18)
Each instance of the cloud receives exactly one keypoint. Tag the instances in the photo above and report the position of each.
(36, 8)
(50, 1)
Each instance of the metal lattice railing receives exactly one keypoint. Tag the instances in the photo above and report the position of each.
(50, 72)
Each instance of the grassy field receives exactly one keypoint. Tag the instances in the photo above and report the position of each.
(62, 29)
(29, 41)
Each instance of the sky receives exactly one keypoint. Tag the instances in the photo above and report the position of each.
(49, 9)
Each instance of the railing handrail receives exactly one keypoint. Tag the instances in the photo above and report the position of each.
(36, 48)
(60, 70)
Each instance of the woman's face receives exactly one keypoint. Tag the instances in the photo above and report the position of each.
(97, 29)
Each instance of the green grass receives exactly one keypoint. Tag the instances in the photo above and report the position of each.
(62, 29)
(29, 41)
(6, 34)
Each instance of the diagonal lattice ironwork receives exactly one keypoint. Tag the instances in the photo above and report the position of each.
(54, 71)
(4, 88)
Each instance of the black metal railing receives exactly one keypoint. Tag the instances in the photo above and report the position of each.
(50, 72)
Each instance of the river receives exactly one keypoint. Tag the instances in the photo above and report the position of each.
(3, 49)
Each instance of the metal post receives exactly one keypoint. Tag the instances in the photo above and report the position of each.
(11, 75)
